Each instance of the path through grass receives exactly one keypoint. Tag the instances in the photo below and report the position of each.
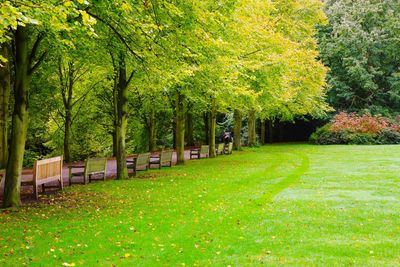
(276, 205)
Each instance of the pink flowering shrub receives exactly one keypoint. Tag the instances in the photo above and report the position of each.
(361, 124)
(350, 128)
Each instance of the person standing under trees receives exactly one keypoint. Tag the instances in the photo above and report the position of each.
(227, 138)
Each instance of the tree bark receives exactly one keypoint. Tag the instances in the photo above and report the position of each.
(121, 124)
(67, 82)
(189, 129)
(263, 133)
(180, 128)
(19, 119)
(252, 137)
(152, 131)
(212, 116)
(5, 89)
(206, 128)
(237, 130)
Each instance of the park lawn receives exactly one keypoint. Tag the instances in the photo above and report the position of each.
(294, 205)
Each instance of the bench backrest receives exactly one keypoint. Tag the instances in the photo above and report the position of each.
(96, 165)
(204, 149)
(166, 155)
(47, 170)
(143, 159)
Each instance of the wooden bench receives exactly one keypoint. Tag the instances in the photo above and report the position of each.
(162, 159)
(141, 162)
(93, 166)
(220, 149)
(197, 152)
(46, 171)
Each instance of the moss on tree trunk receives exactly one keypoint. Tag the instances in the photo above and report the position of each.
(180, 128)
(19, 119)
(121, 116)
(212, 116)
(5, 89)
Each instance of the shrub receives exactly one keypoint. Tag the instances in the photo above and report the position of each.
(361, 130)
(388, 136)
(358, 138)
(359, 124)
(30, 157)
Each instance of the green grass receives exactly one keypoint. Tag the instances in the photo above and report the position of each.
(294, 205)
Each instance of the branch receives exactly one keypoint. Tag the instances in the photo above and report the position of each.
(130, 78)
(35, 48)
(85, 94)
(117, 33)
(38, 62)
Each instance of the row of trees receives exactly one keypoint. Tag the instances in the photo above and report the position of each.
(79, 75)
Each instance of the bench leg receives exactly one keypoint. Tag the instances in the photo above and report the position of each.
(61, 184)
(70, 177)
(35, 191)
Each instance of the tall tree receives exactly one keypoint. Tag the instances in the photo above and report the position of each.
(29, 27)
(5, 89)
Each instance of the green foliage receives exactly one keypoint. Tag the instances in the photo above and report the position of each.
(360, 46)
(388, 136)
(219, 55)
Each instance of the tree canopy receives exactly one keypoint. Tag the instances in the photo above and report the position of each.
(116, 77)
(360, 46)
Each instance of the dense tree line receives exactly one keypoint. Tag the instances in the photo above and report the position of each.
(86, 78)
(360, 45)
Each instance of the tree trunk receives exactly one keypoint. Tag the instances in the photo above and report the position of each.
(114, 139)
(211, 136)
(121, 118)
(152, 131)
(5, 89)
(174, 126)
(180, 128)
(206, 128)
(252, 137)
(19, 119)
(237, 130)
(67, 135)
(67, 81)
(189, 129)
(263, 138)
(271, 132)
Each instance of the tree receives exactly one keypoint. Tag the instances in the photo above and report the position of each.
(29, 26)
(5, 90)
(360, 46)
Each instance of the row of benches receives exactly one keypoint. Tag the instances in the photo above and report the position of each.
(50, 170)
